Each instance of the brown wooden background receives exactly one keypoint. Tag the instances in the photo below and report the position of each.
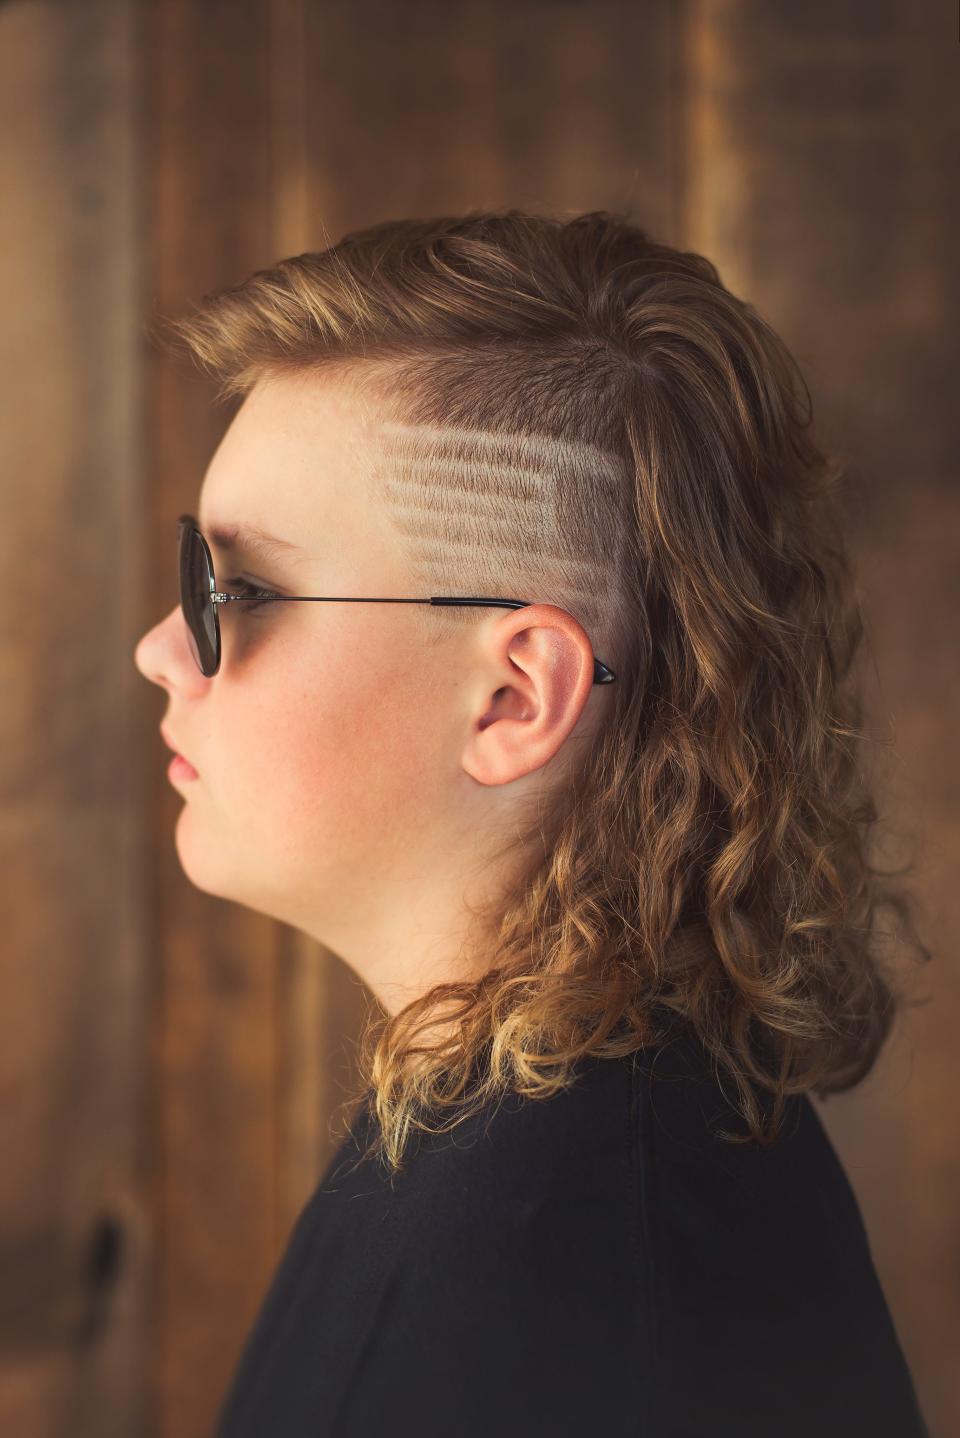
(168, 1061)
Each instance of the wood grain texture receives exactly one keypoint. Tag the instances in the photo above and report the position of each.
(899, 1134)
(552, 107)
(821, 182)
(170, 1062)
(75, 1225)
(207, 196)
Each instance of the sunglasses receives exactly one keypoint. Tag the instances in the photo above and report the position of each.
(200, 598)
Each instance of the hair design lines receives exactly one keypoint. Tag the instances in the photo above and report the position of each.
(491, 512)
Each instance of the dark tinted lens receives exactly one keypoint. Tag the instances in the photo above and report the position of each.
(198, 611)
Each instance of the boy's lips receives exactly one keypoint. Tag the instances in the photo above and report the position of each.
(171, 743)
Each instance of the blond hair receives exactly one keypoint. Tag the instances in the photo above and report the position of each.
(579, 415)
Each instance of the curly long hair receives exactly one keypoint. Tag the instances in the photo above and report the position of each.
(639, 440)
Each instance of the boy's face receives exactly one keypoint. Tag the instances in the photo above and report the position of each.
(355, 781)
(324, 745)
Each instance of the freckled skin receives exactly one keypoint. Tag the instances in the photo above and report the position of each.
(356, 782)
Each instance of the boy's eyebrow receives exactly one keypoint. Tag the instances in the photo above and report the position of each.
(251, 539)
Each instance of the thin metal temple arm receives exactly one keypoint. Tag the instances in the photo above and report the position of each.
(219, 598)
(601, 674)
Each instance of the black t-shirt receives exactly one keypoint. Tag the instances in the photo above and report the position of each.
(593, 1263)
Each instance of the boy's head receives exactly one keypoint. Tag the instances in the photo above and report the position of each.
(569, 413)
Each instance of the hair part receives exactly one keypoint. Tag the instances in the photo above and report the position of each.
(576, 414)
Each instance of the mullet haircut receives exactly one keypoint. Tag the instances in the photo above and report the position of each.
(568, 411)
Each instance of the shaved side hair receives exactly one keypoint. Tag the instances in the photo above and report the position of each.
(511, 515)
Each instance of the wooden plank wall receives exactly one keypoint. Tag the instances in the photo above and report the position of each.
(76, 937)
(821, 180)
(170, 1060)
